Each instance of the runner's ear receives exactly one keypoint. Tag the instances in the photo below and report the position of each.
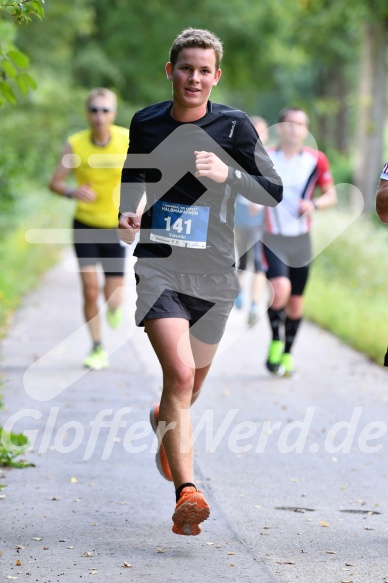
(169, 70)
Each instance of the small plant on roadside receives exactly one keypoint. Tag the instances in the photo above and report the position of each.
(13, 445)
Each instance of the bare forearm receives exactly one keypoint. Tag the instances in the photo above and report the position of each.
(60, 187)
(327, 199)
(382, 201)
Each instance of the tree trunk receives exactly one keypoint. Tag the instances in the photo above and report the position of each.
(332, 90)
(341, 128)
(372, 110)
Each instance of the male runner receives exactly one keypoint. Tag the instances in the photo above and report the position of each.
(96, 155)
(196, 156)
(287, 244)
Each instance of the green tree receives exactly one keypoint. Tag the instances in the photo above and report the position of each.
(372, 99)
(13, 62)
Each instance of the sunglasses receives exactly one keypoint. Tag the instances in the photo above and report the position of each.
(93, 109)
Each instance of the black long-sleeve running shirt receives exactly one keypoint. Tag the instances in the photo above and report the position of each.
(187, 219)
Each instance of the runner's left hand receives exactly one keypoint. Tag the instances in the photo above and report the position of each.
(210, 166)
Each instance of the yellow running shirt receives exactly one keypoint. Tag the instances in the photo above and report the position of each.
(100, 167)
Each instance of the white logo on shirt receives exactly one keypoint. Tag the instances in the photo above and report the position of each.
(232, 129)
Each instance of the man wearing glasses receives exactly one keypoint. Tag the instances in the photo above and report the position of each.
(95, 156)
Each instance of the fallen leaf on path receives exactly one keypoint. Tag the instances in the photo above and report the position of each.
(210, 543)
(325, 524)
(160, 550)
(331, 552)
(73, 480)
(231, 553)
(70, 547)
(88, 554)
(18, 563)
(36, 538)
(127, 564)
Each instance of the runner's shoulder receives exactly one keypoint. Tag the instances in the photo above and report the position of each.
(228, 111)
(152, 111)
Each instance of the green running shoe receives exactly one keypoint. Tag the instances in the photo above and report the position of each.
(275, 354)
(115, 317)
(286, 368)
(97, 359)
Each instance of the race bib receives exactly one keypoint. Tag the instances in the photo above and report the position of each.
(180, 224)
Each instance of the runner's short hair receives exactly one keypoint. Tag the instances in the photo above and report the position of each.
(286, 110)
(196, 37)
(101, 91)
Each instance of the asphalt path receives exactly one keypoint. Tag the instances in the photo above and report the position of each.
(294, 470)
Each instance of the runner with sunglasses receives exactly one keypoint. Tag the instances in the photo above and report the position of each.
(95, 218)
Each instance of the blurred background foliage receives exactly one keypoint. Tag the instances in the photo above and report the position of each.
(277, 52)
(326, 57)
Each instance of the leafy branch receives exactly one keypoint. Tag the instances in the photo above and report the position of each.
(22, 10)
(12, 61)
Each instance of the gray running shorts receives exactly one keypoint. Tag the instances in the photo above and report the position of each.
(205, 300)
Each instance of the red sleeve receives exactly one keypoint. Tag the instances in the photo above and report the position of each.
(324, 173)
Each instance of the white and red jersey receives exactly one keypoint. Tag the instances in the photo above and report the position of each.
(384, 173)
(300, 175)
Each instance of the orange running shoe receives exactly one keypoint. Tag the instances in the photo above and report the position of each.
(190, 510)
(160, 458)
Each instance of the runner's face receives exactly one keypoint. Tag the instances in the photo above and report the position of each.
(293, 130)
(101, 113)
(193, 77)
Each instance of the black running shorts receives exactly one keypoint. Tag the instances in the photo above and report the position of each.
(93, 245)
(288, 257)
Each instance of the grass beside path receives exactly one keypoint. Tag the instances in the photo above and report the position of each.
(347, 292)
(23, 263)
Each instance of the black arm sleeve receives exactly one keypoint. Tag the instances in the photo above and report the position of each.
(260, 183)
(132, 179)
